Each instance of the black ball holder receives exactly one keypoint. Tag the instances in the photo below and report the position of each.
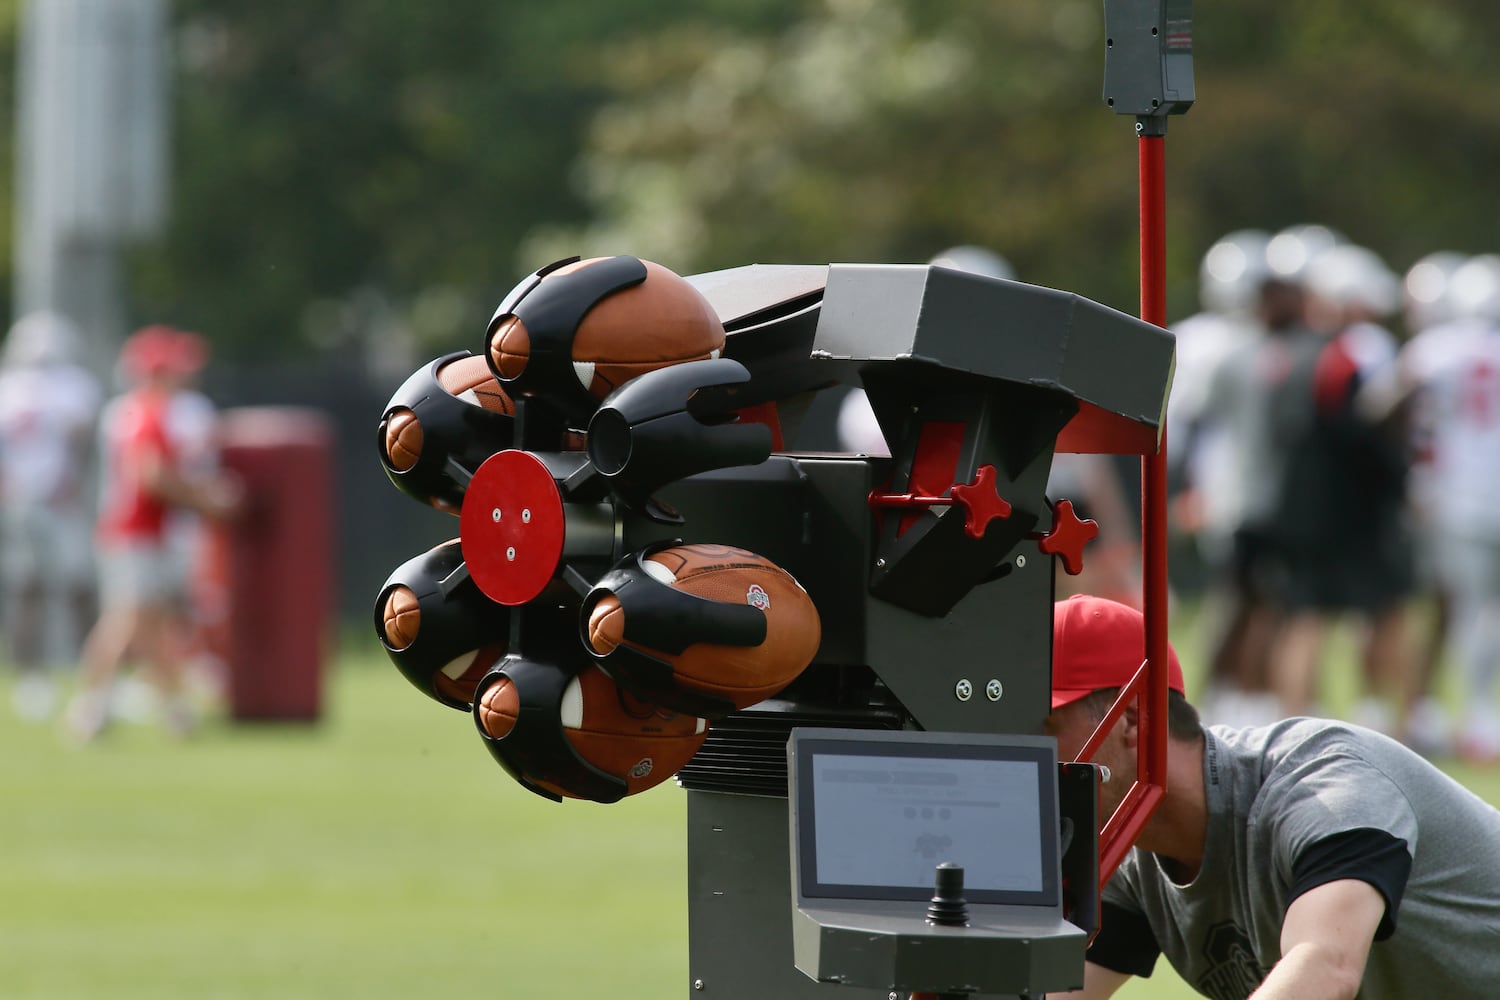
(536, 748)
(551, 312)
(660, 617)
(646, 433)
(457, 436)
(456, 617)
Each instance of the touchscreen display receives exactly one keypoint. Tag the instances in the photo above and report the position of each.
(880, 821)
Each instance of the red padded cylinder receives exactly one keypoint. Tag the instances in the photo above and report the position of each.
(281, 555)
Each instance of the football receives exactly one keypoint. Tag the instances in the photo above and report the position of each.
(662, 321)
(401, 617)
(741, 675)
(403, 439)
(641, 744)
(459, 677)
(470, 379)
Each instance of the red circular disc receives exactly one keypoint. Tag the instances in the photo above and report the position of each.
(510, 527)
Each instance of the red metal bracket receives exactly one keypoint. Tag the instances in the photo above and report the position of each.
(1149, 686)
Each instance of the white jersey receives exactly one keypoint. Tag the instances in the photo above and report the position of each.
(1456, 371)
(46, 415)
(1204, 447)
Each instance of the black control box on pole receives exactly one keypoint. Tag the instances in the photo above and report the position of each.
(1148, 60)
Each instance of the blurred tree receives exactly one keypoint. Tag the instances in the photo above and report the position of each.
(360, 171)
(373, 174)
(888, 129)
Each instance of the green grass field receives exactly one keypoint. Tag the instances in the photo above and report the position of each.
(378, 853)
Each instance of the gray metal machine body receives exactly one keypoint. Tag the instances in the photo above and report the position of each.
(928, 624)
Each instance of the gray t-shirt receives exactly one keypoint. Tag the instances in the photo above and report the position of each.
(1298, 804)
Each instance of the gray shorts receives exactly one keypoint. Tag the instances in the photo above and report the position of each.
(139, 574)
(41, 543)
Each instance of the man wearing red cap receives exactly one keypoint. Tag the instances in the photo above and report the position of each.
(1283, 860)
(143, 481)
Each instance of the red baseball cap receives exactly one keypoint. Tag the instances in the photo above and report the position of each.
(1099, 644)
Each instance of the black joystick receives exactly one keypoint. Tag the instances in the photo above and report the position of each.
(948, 907)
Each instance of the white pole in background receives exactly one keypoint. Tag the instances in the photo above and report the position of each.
(91, 156)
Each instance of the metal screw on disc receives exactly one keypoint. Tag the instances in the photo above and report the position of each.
(993, 690)
(510, 553)
(495, 515)
(1020, 562)
(526, 515)
(964, 690)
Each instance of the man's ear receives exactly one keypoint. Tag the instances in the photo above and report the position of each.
(1130, 727)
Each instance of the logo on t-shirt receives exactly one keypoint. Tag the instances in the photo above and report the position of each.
(1233, 973)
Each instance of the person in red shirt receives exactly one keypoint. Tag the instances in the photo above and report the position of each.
(143, 480)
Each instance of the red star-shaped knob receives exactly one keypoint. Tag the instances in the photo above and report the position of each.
(981, 501)
(1068, 536)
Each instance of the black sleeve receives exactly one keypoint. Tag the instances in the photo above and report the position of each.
(1370, 855)
(1124, 942)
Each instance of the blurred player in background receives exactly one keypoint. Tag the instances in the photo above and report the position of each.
(1454, 370)
(48, 407)
(1341, 517)
(1208, 439)
(1245, 469)
(199, 556)
(1428, 304)
(144, 479)
(1302, 859)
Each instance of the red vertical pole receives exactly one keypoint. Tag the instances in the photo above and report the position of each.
(1153, 761)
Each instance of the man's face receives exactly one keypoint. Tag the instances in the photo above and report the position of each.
(1073, 724)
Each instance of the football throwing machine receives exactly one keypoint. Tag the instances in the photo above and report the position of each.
(852, 694)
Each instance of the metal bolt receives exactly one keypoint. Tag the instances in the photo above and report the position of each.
(698, 985)
(510, 553)
(495, 515)
(964, 690)
(893, 995)
(880, 564)
(1103, 774)
(526, 514)
(994, 689)
(1020, 562)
